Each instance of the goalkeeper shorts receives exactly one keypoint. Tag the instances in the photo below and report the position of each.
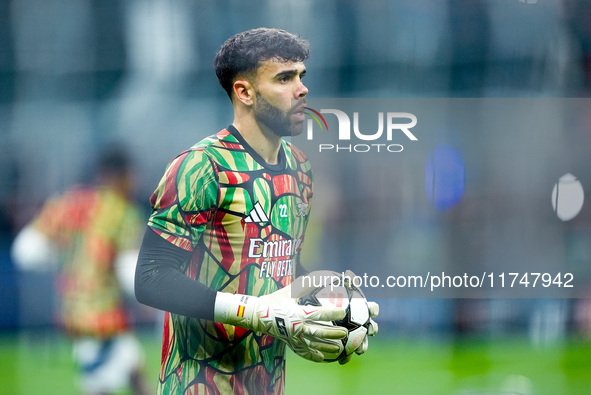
(107, 365)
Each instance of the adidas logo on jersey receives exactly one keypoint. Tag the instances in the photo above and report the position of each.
(257, 214)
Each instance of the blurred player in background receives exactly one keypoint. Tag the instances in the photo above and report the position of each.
(231, 212)
(92, 235)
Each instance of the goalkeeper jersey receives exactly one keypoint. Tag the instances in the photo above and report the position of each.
(91, 226)
(243, 221)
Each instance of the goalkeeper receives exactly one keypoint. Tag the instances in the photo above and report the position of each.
(91, 234)
(224, 238)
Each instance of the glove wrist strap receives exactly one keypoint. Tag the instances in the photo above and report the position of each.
(234, 309)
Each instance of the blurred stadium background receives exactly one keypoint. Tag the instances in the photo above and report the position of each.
(78, 74)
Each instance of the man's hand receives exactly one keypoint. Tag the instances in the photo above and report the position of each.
(34, 251)
(307, 330)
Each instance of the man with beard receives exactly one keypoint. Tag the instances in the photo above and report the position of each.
(223, 241)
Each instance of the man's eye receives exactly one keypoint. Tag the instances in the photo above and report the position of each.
(284, 78)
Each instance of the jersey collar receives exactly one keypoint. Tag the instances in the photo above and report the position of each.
(281, 157)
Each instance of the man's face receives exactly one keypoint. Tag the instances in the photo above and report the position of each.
(280, 97)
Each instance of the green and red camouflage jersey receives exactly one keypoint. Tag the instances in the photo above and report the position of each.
(91, 226)
(243, 221)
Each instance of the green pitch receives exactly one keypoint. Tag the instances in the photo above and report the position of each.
(40, 363)
(467, 367)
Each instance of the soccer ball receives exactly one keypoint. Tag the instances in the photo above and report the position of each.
(357, 320)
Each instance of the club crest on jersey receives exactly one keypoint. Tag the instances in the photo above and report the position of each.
(302, 209)
(256, 215)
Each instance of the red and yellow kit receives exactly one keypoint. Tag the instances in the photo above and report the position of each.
(243, 221)
(91, 226)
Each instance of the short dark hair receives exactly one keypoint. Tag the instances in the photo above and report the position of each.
(113, 160)
(244, 52)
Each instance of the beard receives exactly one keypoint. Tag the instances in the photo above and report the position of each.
(278, 121)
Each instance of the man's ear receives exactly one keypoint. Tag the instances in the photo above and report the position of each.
(244, 91)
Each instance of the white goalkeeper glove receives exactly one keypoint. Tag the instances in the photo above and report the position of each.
(279, 315)
(32, 250)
